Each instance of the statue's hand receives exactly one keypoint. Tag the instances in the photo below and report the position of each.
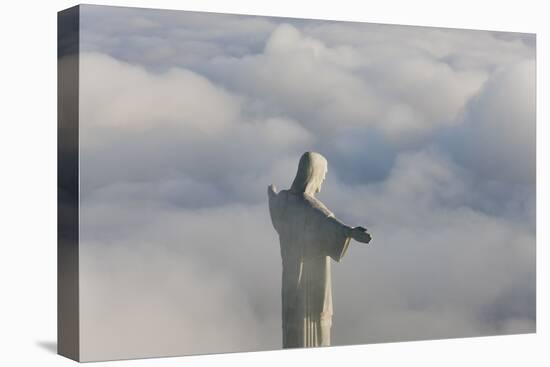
(360, 234)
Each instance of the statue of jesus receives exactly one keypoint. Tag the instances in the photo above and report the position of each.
(309, 235)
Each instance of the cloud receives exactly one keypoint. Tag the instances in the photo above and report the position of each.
(173, 121)
(436, 268)
(499, 126)
(330, 88)
(318, 89)
(160, 39)
(177, 96)
(162, 289)
(187, 117)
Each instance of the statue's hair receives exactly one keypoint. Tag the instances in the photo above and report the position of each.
(310, 173)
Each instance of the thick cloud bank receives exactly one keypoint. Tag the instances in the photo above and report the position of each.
(187, 117)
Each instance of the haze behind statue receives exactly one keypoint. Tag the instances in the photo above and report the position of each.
(172, 124)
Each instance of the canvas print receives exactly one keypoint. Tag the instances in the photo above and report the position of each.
(235, 183)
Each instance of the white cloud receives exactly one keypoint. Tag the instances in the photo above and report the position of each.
(119, 94)
(172, 121)
(344, 86)
(204, 279)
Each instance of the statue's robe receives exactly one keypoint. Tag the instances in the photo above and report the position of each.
(309, 236)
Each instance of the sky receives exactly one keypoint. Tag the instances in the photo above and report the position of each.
(186, 118)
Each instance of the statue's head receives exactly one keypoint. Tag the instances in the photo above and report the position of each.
(312, 171)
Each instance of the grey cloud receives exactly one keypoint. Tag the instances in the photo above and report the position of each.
(494, 139)
(342, 87)
(471, 275)
(499, 126)
(462, 49)
(160, 39)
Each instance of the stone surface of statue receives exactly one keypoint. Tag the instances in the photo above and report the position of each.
(310, 235)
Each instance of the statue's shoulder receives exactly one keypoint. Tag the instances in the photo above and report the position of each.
(317, 205)
(277, 199)
(305, 201)
(272, 192)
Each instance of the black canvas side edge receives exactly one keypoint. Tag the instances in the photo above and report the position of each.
(68, 331)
